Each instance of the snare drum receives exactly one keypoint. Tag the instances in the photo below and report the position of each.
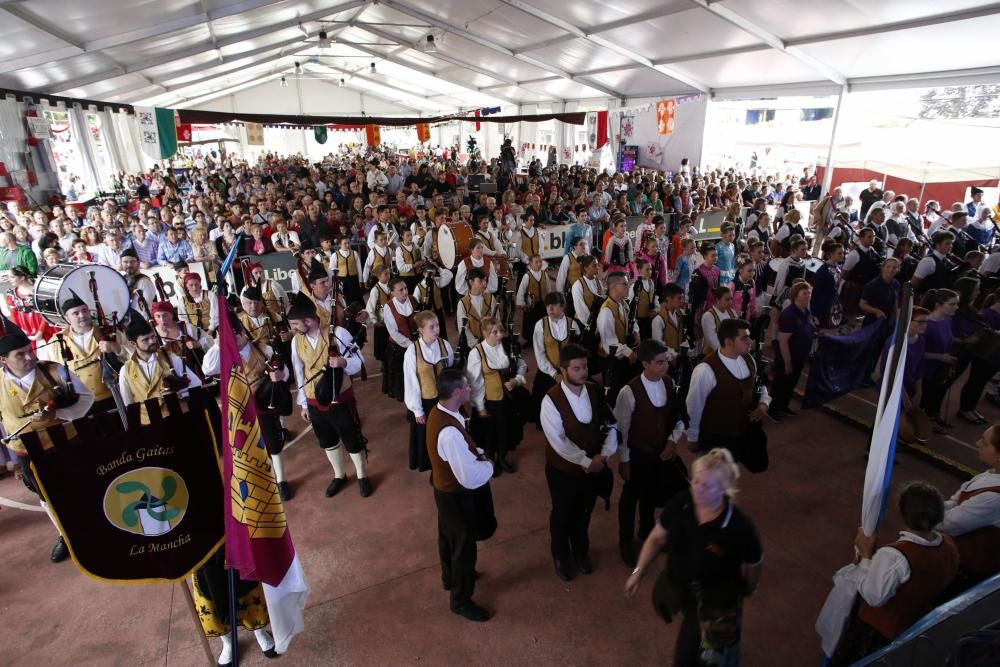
(502, 264)
(63, 281)
(453, 242)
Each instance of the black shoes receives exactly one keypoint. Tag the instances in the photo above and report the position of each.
(775, 415)
(60, 551)
(335, 486)
(586, 567)
(472, 611)
(506, 465)
(787, 412)
(365, 487)
(627, 551)
(563, 571)
(284, 492)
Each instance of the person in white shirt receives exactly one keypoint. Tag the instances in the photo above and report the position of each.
(723, 403)
(613, 331)
(460, 476)
(498, 422)
(379, 255)
(376, 178)
(972, 515)
(574, 419)
(397, 314)
(668, 325)
(383, 224)
(476, 260)
(422, 363)
(588, 293)
(492, 244)
(569, 267)
(333, 424)
(551, 334)
(429, 293)
(649, 414)
(903, 580)
(378, 296)
(283, 239)
(531, 293)
(473, 308)
(21, 378)
(721, 310)
(161, 371)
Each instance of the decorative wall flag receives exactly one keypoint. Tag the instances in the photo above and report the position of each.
(157, 132)
(597, 129)
(373, 135)
(479, 113)
(423, 132)
(255, 134)
(185, 132)
(258, 543)
(136, 506)
(319, 132)
(665, 116)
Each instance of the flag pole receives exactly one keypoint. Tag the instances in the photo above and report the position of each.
(197, 621)
(222, 289)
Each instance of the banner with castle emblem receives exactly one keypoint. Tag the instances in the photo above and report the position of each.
(258, 542)
(137, 506)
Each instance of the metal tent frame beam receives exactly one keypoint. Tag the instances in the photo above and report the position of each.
(578, 32)
(465, 34)
(208, 48)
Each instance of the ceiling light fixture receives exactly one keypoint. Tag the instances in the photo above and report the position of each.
(298, 69)
(324, 40)
(283, 83)
(371, 68)
(430, 46)
(343, 84)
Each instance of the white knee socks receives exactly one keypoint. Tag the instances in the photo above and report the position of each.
(226, 656)
(278, 467)
(48, 512)
(336, 456)
(360, 465)
(264, 639)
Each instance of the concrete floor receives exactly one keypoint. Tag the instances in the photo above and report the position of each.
(372, 565)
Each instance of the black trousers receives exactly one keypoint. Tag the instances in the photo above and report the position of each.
(651, 483)
(784, 383)
(334, 426)
(271, 431)
(529, 317)
(645, 327)
(457, 544)
(502, 431)
(622, 371)
(687, 649)
(419, 458)
(980, 373)
(541, 386)
(573, 499)
(379, 343)
(352, 288)
(935, 387)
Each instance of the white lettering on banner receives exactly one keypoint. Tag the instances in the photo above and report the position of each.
(278, 266)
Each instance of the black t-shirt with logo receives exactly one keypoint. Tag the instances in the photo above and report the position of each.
(710, 554)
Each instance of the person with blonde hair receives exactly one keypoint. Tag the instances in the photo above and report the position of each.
(714, 558)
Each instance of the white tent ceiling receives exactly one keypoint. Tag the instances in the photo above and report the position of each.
(179, 53)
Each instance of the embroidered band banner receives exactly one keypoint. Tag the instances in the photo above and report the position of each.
(139, 506)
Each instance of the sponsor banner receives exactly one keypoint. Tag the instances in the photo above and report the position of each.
(278, 266)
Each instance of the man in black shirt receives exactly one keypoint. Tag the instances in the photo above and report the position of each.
(869, 197)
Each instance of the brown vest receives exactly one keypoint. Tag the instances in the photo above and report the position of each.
(650, 425)
(673, 335)
(728, 406)
(442, 476)
(405, 323)
(979, 549)
(931, 570)
(585, 436)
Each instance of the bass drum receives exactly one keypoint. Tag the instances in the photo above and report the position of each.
(62, 281)
(453, 242)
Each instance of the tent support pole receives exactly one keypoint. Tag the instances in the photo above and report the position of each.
(828, 173)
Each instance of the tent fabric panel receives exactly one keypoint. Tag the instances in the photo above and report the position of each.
(589, 13)
(642, 81)
(926, 49)
(579, 55)
(760, 68)
(50, 76)
(811, 19)
(664, 38)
